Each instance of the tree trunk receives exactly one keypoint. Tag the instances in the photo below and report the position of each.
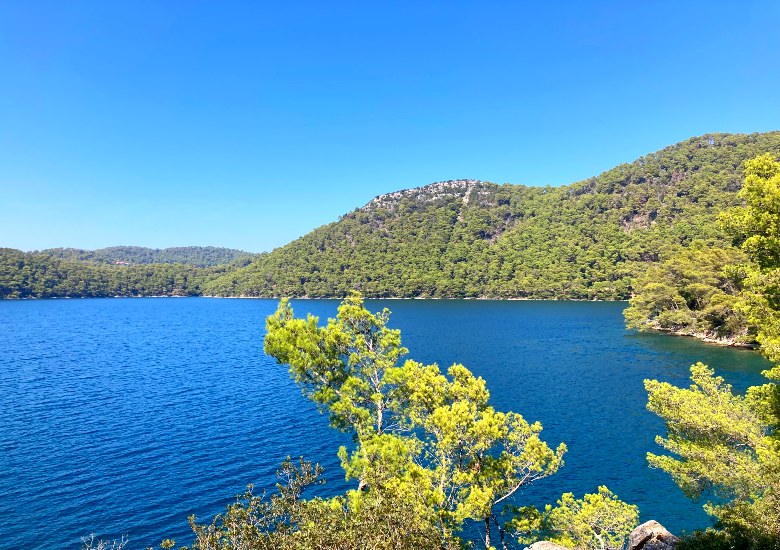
(500, 532)
(487, 533)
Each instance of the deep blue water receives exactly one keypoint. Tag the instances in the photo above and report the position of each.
(124, 416)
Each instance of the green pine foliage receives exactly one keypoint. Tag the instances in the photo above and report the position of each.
(710, 289)
(693, 291)
(434, 440)
(379, 519)
(755, 228)
(598, 521)
(723, 448)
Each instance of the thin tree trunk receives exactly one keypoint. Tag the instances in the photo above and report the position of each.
(487, 533)
(500, 532)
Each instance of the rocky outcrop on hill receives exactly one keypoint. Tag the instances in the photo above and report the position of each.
(651, 535)
(426, 194)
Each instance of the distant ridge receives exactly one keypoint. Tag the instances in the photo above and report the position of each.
(114, 271)
(200, 256)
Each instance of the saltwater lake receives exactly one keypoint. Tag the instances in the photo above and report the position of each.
(124, 416)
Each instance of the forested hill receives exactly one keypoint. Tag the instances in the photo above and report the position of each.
(200, 256)
(75, 273)
(469, 238)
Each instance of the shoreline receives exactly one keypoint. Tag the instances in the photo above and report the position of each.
(708, 339)
(244, 297)
(482, 298)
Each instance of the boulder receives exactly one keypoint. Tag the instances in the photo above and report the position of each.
(651, 535)
(546, 545)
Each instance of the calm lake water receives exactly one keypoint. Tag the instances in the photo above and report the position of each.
(124, 416)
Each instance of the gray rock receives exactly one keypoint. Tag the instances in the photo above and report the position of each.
(651, 535)
(546, 545)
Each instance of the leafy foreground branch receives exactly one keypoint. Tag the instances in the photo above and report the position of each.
(723, 449)
(599, 521)
(286, 521)
(432, 438)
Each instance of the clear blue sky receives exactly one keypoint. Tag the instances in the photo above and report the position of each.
(247, 124)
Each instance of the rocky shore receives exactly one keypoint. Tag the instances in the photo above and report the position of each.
(711, 338)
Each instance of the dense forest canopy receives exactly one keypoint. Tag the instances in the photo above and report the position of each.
(52, 275)
(693, 291)
(454, 239)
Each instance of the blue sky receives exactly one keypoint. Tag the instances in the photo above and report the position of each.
(247, 124)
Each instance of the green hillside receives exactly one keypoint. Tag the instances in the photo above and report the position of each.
(115, 271)
(43, 275)
(470, 238)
